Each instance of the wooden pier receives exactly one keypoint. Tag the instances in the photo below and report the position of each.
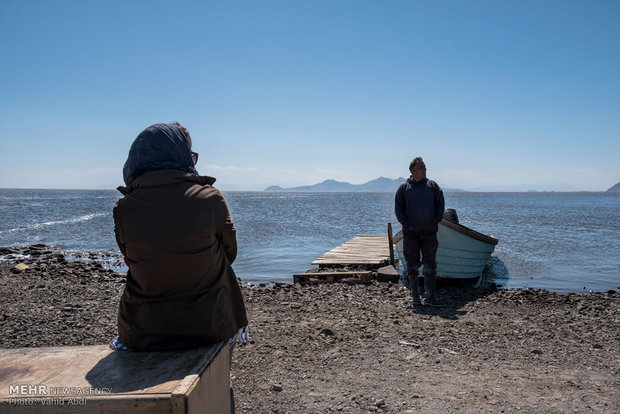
(369, 256)
(361, 250)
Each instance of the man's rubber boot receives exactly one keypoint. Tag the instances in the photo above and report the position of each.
(414, 285)
(429, 288)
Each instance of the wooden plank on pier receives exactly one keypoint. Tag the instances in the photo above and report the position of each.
(360, 250)
(362, 276)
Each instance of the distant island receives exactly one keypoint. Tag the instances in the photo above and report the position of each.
(380, 184)
(615, 188)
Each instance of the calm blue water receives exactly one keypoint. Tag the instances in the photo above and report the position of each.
(557, 241)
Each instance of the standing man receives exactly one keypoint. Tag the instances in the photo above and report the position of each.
(419, 207)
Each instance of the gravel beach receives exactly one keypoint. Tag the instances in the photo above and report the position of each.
(358, 348)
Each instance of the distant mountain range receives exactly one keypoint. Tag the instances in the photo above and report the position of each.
(615, 188)
(380, 184)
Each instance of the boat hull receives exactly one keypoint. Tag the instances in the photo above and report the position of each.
(462, 252)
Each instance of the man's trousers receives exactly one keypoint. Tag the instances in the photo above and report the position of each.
(424, 242)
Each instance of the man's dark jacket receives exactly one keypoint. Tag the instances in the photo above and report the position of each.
(175, 229)
(419, 205)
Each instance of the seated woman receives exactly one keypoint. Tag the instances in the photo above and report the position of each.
(178, 239)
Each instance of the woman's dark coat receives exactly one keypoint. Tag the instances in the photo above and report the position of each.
(176, 232)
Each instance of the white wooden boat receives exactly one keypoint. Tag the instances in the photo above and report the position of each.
(462, 252)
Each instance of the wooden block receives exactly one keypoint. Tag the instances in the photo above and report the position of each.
(365, 278)
(301, 278)
(94, 379)
(388, 274)
(362, 276)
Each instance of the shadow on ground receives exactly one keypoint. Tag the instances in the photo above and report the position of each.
(452, 296)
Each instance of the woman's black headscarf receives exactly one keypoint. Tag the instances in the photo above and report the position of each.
(159, 147)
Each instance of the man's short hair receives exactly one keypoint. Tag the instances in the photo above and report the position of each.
(415, 162)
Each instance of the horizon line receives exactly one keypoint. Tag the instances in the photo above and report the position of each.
(285, 190)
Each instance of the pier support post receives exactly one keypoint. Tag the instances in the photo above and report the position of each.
(391, 243)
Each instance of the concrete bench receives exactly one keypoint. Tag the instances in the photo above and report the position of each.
(94, 379)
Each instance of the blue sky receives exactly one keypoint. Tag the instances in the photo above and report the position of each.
(495, 95)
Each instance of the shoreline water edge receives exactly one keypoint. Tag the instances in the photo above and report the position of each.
(562, 242)
(360, 347)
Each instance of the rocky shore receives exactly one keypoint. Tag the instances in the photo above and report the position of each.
(357, 348)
